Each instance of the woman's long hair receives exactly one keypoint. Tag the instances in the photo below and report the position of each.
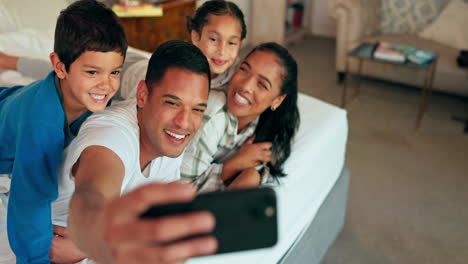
(280, 126)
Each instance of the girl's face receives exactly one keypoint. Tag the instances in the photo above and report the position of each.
(255, 86)
(220, 41)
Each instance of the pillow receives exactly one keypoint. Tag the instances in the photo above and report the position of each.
(408, 16)
(450, 27)
(40, 15)
(26, 42)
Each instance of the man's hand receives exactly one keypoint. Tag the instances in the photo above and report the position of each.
(131, 239)
(249, 155)
(63, 250)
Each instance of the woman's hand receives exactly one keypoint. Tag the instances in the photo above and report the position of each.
(249, 178)
(63, 250)
(249, 155)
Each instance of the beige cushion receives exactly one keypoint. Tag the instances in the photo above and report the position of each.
(408, 16)
(450, 27)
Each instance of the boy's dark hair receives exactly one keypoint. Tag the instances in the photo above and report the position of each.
(280, 126)
(217, 8)
(87, 25)
(179, 54)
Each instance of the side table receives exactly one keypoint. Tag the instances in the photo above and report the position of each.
(364, 53)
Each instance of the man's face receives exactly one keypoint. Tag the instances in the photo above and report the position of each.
(172, 113)
(91, 81)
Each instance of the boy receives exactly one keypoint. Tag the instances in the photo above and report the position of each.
(39, 120)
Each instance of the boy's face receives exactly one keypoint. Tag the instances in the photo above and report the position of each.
(220, 41)
(171, 115)
(91, 81)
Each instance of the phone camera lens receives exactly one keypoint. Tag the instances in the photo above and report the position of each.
(269, 211)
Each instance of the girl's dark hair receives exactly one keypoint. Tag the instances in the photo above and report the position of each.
(280, 126)
(217, 8)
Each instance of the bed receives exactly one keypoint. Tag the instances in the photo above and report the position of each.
(311, 199)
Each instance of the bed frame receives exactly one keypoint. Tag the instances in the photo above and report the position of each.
(314, 242)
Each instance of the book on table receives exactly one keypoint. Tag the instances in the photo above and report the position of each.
(142, 10)
(386, 51)
(399, 53)
(421, 57)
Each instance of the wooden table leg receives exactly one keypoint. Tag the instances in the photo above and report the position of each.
(345, 84)
(426, 92)
(358, 87)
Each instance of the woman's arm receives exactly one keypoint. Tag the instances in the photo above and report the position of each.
(8, 62)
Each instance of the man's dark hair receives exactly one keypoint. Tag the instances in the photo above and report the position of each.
(87, 25)
(178, 54)
(217, 8)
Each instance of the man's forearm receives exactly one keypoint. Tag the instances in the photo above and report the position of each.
(85, 223)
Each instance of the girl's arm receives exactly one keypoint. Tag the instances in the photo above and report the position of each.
(249, 178)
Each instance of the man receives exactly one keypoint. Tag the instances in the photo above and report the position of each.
(127, 146)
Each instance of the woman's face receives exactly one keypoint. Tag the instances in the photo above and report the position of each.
(255, 86)
(220, 41)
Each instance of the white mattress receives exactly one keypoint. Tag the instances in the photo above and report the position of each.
(314, 166)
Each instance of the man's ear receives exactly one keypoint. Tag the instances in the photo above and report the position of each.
(142, 94)
(58, 65)
(277, 101)
(195, 37)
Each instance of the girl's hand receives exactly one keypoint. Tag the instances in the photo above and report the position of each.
(249, 155)
(252, 154)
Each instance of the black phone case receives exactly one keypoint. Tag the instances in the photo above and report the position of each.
(245, 219)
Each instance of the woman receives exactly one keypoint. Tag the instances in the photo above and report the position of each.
(247, 131)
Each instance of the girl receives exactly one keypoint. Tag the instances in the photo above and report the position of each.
(217, 28)
(260, 105)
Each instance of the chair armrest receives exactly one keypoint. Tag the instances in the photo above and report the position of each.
(355, 19)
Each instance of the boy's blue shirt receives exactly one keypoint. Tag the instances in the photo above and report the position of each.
(33, 134)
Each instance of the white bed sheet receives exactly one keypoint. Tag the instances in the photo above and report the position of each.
(315, 164)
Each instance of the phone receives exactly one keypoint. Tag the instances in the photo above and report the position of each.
(245, 219)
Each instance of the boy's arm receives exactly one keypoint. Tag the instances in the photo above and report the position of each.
(33, 188)
(107, 227)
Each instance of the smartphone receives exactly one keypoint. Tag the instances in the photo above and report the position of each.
(245, 219)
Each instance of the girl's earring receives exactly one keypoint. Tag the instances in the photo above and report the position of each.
(273, 108)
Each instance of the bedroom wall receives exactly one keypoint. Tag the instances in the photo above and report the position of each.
(322, 23)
